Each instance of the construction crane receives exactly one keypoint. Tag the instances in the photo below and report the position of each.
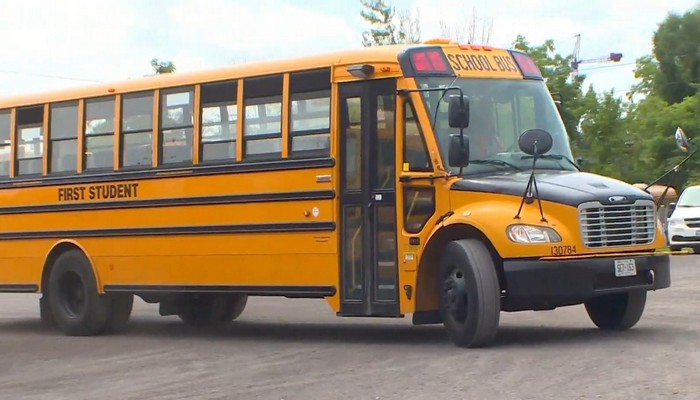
(612, 57)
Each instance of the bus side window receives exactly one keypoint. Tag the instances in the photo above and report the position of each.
(310, 113)
(262, 128)
(419, 206)
(219, 118)
(415, 152)
(99, 133)
(30, 140)
(63, 134)
(176, 126)
(5, 149)
(137, 130)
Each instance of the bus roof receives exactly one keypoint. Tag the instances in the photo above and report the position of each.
(376, 54)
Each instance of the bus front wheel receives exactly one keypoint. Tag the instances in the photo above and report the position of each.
(77, 307)
(617, 311)
(469, 294)
(212, 309)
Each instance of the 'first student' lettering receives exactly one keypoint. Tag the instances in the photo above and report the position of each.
(98, 192)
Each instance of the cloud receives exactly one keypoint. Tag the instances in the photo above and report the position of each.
(621, 26)
(259, 30)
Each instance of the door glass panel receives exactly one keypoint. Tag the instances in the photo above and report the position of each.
(353, 237)
(385, 273)
(419, 206)
(386, 105)
(353, 144)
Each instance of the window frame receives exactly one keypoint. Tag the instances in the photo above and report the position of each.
(52, 140)
(42, 141)
(315, 84)
(219, 103)
(270, 91)
(162, 107)
(6, 143)
(430, 167)
(86, 135)
(123, 133)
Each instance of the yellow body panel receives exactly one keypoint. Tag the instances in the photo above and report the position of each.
(239, 222)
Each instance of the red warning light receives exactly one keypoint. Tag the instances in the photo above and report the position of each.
(527, 66)
(432, 60)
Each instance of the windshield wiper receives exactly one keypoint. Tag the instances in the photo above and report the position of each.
(557, 157)
(496, 162)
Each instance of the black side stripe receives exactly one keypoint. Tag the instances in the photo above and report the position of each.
(289, 291)
(171, 202)
(168, 172)
(173, 230)
(19, 288)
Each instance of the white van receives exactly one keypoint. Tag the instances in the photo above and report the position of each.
(683, 225)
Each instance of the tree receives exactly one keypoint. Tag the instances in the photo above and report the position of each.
(677, 50)
(556, 70)
(476, 31)
(162, 67)
(388, 25)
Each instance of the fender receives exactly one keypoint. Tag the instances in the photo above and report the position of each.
(72, 243)
(491, 216)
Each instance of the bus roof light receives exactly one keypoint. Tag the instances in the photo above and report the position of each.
(432, 60)
(361, 70)
(527, 66)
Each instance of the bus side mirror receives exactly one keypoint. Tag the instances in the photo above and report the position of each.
(458, 151)
(458, 111)
(671, 207)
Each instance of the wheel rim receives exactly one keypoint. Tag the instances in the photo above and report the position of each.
(455, 299)
(72, 294)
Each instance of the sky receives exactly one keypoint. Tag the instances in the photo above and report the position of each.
(56, 44)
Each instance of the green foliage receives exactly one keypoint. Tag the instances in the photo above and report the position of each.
(677, 50)
(388, 25)
(556, 70)
(162, 67)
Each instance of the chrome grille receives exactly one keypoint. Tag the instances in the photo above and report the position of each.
(604, 225)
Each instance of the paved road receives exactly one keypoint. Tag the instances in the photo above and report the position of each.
(297, 349)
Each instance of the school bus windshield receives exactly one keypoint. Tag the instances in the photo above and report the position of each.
(500, 110)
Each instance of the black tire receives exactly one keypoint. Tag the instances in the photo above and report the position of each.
(470, 295)
(617, 311)
(77, 307)
(203, 310)
(676, 248)
(45, 313)
(235, 305)
(120, 311)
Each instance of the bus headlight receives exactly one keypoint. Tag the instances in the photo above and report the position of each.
(532, 234)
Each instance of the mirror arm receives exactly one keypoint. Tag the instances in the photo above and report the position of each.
(461, 139)
(675, 168)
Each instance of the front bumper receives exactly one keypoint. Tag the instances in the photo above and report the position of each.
(546, 284)
(681, 235)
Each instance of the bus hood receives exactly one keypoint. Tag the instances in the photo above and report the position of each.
(564, 187)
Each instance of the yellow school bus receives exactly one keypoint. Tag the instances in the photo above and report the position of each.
(432, 179)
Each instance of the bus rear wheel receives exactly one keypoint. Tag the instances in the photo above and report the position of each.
(212, 309)
(77, 307)
(469, 294)
(120, 312)
(617, 311)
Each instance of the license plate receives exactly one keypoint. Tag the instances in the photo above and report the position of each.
(625, 268)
